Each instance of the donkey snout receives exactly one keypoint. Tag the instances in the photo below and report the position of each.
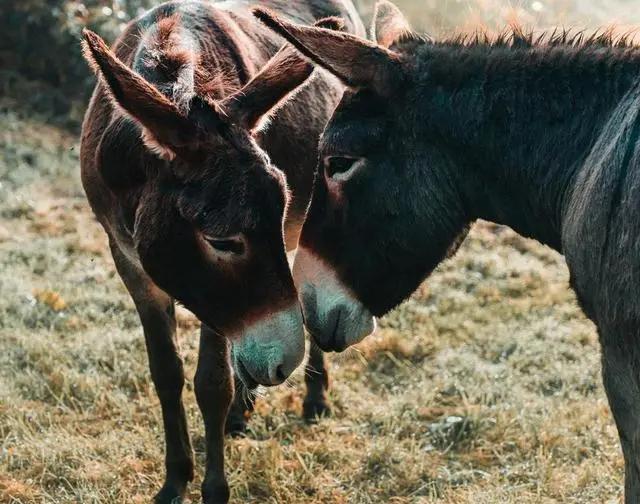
(334, 320)
(270, 374)
(332, 314)
(270, 349)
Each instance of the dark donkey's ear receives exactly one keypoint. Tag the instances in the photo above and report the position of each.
(165, 129)
(389, 24)
(355, 61)
(273, 85)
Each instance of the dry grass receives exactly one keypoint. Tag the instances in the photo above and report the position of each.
(483, 388)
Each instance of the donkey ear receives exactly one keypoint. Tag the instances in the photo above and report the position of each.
(273, 85)
(389, 24)
(355, 61)
(165, 129)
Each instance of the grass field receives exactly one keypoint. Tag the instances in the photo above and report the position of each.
(484, 387)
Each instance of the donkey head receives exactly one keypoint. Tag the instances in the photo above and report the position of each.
(380, 217)
(209, 223)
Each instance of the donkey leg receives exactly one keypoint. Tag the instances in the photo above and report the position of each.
(316, 378)
(214, 392)
(241, 409)
(620, 368)
(156, 311)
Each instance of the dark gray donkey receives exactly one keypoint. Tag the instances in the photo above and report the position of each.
(542, 135)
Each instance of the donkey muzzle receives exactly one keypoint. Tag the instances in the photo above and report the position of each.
(333, 316)
(270, 349)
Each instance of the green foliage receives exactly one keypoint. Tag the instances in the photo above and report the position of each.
(40, 42)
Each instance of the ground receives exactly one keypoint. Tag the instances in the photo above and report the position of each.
(484, 387)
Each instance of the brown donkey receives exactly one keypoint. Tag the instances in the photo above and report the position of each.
(182, 175)
(540, 134)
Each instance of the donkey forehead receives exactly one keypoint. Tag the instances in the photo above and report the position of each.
(358, 124)
(244, 195)
(250, 179)
(352, 135)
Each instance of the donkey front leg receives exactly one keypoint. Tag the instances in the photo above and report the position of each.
(156, 311)
(241, 408)
(621, 368)
(316, 378)
(214, 392)
(315, 402)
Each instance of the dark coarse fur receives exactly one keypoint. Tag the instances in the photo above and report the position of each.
(538, 133)
(175, 153)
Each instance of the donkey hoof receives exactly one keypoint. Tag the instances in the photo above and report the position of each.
(313, 410)
(168, 494)
(215, 493)
(235, 429)
(236, 425)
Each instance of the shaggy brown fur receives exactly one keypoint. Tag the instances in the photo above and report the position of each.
(187, 189)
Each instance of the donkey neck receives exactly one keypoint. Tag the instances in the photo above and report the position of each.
(523, 123)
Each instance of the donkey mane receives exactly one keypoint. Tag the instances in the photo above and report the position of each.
(518, 37)
(532, 83)
(177, 60)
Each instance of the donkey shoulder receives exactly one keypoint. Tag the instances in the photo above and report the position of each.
(603, 212)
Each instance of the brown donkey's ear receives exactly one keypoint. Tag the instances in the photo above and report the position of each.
(389, 24)
(355, 61)
(273, 85)
(165, 128)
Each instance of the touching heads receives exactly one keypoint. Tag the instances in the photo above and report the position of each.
(383, 212)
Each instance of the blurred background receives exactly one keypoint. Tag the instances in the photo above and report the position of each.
(42, 69)
(484, 387)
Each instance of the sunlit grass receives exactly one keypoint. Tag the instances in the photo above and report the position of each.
(484, 387)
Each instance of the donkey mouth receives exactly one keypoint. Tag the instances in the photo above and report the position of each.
(245, 376)
(338, 338)
(336, 341)
(326, 347)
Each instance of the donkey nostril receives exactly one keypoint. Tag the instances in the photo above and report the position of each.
(336, 326)
(280, 376)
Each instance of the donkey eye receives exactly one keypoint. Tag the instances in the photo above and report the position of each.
(341, 168)
(234, 245)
